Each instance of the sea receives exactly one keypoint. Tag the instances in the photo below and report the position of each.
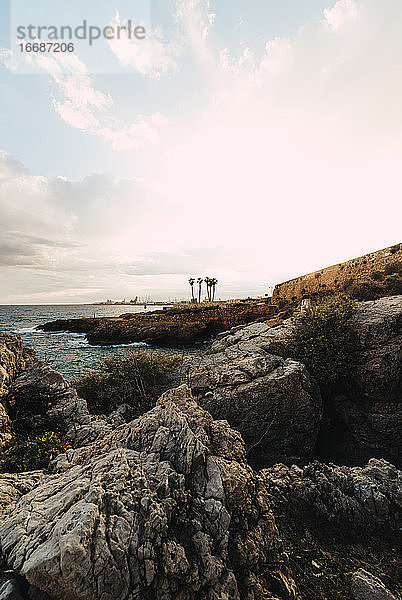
(68, 353)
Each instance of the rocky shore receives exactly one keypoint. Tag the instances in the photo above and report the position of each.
(215, 493)
(174, 326)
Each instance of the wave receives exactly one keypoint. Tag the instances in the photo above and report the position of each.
(79, 343)
(25, 329)
(85, 344)
(69, 333)
(126, 345)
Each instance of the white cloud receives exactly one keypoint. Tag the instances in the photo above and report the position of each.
(7, 59)
(89, 109)
(150, 56)
(343, 12)
(291, 163)
(296, 155)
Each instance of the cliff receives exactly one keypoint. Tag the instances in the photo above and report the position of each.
(367, 277)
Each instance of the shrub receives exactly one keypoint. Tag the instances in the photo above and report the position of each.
(395, 267)
(137, 378)
(31, 453)
(323, 341)
(377, 275)
(366, 290)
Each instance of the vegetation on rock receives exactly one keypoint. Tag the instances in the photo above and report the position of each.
(31, 453)
(323, 340)
(137, 378)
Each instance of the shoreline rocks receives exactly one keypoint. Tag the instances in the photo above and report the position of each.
(239, 378)
(166, 507)
(272, 401)
(183, 326)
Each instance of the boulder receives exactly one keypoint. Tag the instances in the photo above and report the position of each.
(365, 418)
(271, 400)
(239, 378)
(164, 507)
(41, 399)
(350, 499)
(367, 587)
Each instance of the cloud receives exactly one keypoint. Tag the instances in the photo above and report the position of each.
(288, 160)
(151, 56)
(295, 156)
(7, 59)
(88, 109)
(343, 12)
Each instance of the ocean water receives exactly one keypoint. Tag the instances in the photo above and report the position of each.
(68, 353)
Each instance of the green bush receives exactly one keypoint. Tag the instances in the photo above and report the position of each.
(323, 341)
(137, 378)
(31, 453)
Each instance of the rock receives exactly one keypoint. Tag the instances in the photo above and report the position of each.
(351, 499)
(362, 421)
(186, 325)
(367, 587)
(11, 590)
(41, 398)
(12, 360)
(164, 507)
(15, 485)
(365, 419)
(272, 401)
(5, 427)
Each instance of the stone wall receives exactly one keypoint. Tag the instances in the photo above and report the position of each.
(338, 277)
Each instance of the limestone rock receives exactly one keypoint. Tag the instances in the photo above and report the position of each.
(10, 590)
(5, 426)
(272, 401)
(351, 498)
(366, 418)
(42, 396)
(367, 587)
(15, 485)
(159, 508)
(11, 360)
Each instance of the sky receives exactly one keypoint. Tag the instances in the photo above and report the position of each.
(251, 141)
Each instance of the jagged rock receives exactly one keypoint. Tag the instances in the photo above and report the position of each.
(11, 590)
(41, 397)
(362, 421)
(12, 360)
(15, 485)
(164, 507)
(367, 587)
(272, 401)
(351, 498)
(366, 417)
(5, 427)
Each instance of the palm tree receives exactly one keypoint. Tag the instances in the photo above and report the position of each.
(208, 282)
(199, 281)
(213, 285)
(192, 282)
